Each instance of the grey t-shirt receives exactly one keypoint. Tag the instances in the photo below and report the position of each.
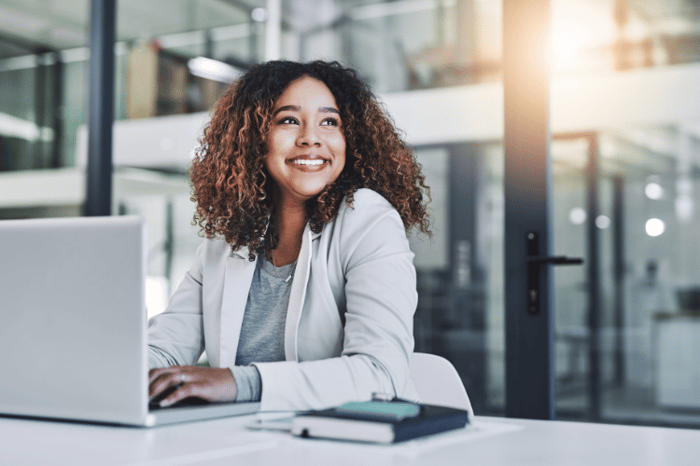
(262, 331)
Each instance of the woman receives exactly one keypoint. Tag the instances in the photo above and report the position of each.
(303, 292)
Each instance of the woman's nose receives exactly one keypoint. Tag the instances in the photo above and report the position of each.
(308, 136)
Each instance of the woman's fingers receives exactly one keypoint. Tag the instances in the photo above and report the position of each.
(180, 393)
(153, 374)
(162, 383)
(179, 382)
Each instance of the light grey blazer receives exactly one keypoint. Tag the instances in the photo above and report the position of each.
(349, 328)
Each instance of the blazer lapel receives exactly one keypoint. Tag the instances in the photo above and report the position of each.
(237, 280)
(297, 296)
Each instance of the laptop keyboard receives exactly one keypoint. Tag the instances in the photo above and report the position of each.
(191, 401)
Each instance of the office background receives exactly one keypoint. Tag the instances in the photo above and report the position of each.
(625, 127)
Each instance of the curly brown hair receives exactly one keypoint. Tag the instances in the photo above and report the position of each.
(231, 185)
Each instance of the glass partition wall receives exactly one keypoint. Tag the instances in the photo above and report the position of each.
(460, 269)
(30, 119)
(635, 365)
(44, 65)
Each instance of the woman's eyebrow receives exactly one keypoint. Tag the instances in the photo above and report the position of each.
(284, 108)
(296, 108)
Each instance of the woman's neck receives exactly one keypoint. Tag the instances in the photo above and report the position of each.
(290, 219)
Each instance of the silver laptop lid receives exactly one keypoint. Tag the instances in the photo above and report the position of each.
(73, 319)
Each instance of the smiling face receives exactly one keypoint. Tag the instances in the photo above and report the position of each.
(306, 144)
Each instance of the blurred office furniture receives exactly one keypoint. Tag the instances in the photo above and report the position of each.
(677, 368)
(649, 296)
(64, 188)
(689, 300)
(165, 143)
(60, 189)
(438, 382)
(160, 83)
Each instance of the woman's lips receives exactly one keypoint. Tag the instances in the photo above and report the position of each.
(308, 163)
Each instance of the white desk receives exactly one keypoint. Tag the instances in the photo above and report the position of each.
(228, 442)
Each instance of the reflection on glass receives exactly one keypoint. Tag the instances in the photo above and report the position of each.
(650, 284)
(577, 216)
(602, 221)
(460, 270)
(654, 190)
(655, 227)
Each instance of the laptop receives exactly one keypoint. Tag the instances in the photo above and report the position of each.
(73, 324)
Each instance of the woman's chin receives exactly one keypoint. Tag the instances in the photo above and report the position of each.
(308, 191)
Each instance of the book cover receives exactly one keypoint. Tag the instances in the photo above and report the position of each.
(379, 422)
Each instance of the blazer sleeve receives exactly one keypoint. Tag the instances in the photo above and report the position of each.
(175, 337)
(381, 298)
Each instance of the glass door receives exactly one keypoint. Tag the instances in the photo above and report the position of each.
(627, 323)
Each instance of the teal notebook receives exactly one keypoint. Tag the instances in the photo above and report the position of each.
(379, 421)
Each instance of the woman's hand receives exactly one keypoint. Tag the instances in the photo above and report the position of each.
(180, 382)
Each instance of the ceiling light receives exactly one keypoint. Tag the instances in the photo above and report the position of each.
(602, 222)
(655, 227)
(577, 216)
(654, 191)
(213, 69)
(259, 14)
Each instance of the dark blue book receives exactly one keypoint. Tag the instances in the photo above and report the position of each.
(379, 421)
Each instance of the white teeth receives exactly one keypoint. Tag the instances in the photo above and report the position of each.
(308, 162)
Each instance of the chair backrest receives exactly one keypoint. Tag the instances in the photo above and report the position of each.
(438, 382)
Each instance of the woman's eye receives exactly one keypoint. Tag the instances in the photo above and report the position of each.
(288, 120)
(330, 122)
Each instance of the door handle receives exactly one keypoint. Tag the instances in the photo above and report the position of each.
(534, 261)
